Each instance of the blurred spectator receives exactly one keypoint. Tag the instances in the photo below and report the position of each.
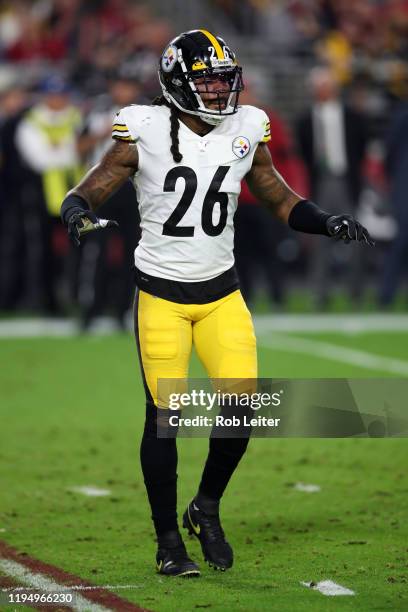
(397, 167)
(46, 141)
(114, 32)
(105, 274)
(332, 140)
(291, 26)
(243, 15)
(13, 226)
(37, 31)
(258, 235)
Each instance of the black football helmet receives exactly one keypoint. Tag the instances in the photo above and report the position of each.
(189, 64)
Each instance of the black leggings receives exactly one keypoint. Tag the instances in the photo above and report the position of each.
(158, 458)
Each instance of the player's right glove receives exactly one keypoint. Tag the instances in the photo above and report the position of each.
(347, 228)
(80, 223)
(79, 220)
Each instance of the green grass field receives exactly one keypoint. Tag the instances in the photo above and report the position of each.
(72, 412)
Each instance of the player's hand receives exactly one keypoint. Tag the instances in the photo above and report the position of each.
(83, 222)
(345, 227)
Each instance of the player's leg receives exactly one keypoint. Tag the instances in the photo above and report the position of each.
(164, 337)
(225, 342)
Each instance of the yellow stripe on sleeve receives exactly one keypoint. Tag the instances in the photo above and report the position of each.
(267, 132)
(215, 44)
(120, 137)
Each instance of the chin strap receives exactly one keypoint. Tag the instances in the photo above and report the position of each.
(212, 119)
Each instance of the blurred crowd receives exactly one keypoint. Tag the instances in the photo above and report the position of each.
(365, 42)
(351, 31)
(87, 40)
(66, 68)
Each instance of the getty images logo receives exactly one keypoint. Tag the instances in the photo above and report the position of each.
(209, 400)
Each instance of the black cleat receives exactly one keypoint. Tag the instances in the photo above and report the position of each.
(207, 528)
(172, 558)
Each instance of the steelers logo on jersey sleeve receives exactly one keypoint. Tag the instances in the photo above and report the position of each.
(241, 146)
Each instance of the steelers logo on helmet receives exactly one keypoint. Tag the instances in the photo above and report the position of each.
(241, 146)
(169, 58)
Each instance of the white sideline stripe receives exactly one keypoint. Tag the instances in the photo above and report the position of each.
(90, 491)
(348, 323)
(55, 328)
(81, 587)
(33, 328)
(19, 572)
(327, 350)
(307, 488)
(328, 587)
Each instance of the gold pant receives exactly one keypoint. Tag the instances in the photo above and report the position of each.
(222, 333)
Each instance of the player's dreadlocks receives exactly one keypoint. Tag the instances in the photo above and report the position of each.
(174, 127)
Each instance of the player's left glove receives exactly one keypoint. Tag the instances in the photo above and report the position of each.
(345, 227)
(80, 223)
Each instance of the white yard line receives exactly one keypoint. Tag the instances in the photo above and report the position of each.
(91, 491)
(328, 587)
(22, 574)
(307, 488)
(334, 352)
(313, 323)
(348, 323)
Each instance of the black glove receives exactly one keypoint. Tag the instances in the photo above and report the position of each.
(345, 227)
(82, 222)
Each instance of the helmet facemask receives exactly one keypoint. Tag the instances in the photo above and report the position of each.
(215, 103)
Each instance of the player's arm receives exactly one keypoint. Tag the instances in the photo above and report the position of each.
(118, 164)
(272, 191)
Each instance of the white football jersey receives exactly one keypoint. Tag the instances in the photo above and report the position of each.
(187, 209)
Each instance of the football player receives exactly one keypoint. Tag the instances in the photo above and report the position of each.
(187, 154)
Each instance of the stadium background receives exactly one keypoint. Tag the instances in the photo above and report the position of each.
(97, 56)
(71, 399)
